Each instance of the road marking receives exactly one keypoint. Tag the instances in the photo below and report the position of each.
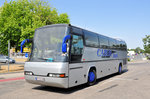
(109, 88)
(125, 79)
(136, 74)
(11, 79)
(118, 78)
(108, 81)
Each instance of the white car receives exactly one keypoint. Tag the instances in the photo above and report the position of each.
(5, 59)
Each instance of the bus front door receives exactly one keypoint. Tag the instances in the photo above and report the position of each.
(76, 67)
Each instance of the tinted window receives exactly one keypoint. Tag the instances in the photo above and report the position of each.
(103, 41)
(91, 39)
(123, 45)
(77, 30)
(112, 43)
(76, 48)
(118, 44)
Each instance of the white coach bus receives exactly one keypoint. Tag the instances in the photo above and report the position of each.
(65, 56)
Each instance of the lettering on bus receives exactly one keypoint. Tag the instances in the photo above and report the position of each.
(115, 55)
(106, 53)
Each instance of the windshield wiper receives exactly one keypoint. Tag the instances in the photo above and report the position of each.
(47, 59)
(42, 58)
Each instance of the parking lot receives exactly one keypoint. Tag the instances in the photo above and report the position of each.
(132, 84)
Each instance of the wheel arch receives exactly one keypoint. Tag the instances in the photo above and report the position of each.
(90, 68)
(120, 64)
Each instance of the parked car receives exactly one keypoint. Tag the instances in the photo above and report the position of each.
(5, 59)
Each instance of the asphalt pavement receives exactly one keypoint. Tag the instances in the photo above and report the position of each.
(132, 84)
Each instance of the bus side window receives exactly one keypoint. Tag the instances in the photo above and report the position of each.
(103, 42)
(76, 48)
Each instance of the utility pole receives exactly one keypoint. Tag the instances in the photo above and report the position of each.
(8, 53)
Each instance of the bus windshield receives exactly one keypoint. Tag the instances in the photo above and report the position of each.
(47, 44)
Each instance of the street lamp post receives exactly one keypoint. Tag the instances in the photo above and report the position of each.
(8, 53)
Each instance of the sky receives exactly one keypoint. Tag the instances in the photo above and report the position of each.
(125, 19)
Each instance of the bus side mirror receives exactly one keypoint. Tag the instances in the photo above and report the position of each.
(23, 42)
(64, 44)
(64, 48)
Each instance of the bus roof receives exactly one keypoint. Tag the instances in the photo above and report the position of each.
(67, 25)
(53, 25)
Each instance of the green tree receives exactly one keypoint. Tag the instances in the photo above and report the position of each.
(20, 18)
(146, 41)
(139, 50)
(131, 50)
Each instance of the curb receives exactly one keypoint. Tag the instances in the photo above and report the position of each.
(12, 79)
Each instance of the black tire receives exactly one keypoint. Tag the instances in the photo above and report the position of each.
(120, 69)
(89, 83)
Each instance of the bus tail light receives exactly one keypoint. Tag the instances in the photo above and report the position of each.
(56, 75)
(61, 75)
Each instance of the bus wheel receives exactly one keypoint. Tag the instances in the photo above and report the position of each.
(92, 77)
(120, 69)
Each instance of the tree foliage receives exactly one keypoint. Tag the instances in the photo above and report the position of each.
(131, 50)
(139, 50)
(20, 18)
(146, 41)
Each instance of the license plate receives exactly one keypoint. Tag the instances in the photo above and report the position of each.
(39, 78)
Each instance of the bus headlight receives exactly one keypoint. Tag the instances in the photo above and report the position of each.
(28, 73)
(56, 75)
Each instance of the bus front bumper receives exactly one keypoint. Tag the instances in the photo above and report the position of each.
(48, 81)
